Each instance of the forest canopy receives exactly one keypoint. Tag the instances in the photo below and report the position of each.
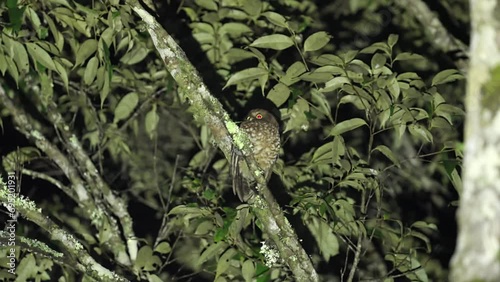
(120, 119)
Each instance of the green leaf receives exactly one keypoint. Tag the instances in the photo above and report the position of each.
(47, 90)
(328, 59)
(241, 220)
(346, 126)
(246, 75)
(61, 70)
(252, 8)
(35, 21)
(456, 180)
(384, 102)
(248, 270)
(279, 94)
(437, 99)
(394, 88)
(335, 84)
(392, 40)
(378, 61)
(201, 27)
(408, 265)
(185, 210)
(275, 42)
(206, 226)
(446, 76)
(292, 73)
(151, 122)
(3, 62)
(258, 54)
(86, 50)
(135, 56)
(146, 260)
(424, 225)
(163, 248)
(207, 4)
(339, 149)
(235, 55)
(21, 57)
(316, 77)
(235, 30)
(408, 76)
(319, 99)
(388, 153)
(323, 154)
(420, 132)
(406, 56)
(378, 46)
(348, 56)
(155, 278)
(91, 71)
(297, 116)
(106, 39)
(363, 68)
(211, 251)
(316, 41)
(12, 69)
(27, 268)
(225, 261)
(439, 122)
(41, 56)
(333, 70)
(326, 239)
(400, 129)
(448, 111)
(276, 19)
(58, 37)
(126, 106)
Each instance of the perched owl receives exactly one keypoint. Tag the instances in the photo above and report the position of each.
(263, 130)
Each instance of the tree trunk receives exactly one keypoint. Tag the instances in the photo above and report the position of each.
(477, 256)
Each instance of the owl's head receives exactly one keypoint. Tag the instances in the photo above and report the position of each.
(261, 115)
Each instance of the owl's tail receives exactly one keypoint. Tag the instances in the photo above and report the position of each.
(240, 185)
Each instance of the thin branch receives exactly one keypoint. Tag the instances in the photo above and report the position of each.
(55, 182)
(357, 254)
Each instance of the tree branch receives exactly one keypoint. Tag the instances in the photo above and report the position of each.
(209, 110)
(86, 263)
(476, 256)
(437, 34)
(93, 210)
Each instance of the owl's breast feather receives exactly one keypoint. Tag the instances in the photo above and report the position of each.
(266, 143)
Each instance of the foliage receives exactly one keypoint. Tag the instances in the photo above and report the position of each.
(361, 130)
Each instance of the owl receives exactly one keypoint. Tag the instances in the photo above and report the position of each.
(263, 130)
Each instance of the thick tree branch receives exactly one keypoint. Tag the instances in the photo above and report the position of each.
(82, 260)
(94, 211)
(437, 34)
(476, 256)
(91, 175)
(226, 133)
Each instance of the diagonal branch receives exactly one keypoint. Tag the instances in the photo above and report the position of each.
(209, 110)
(79, 258)
(94, 211)
(437, 33)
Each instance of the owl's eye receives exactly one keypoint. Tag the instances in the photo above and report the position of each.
(258, 116)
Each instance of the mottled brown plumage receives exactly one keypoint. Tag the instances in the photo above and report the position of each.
(263, 131)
